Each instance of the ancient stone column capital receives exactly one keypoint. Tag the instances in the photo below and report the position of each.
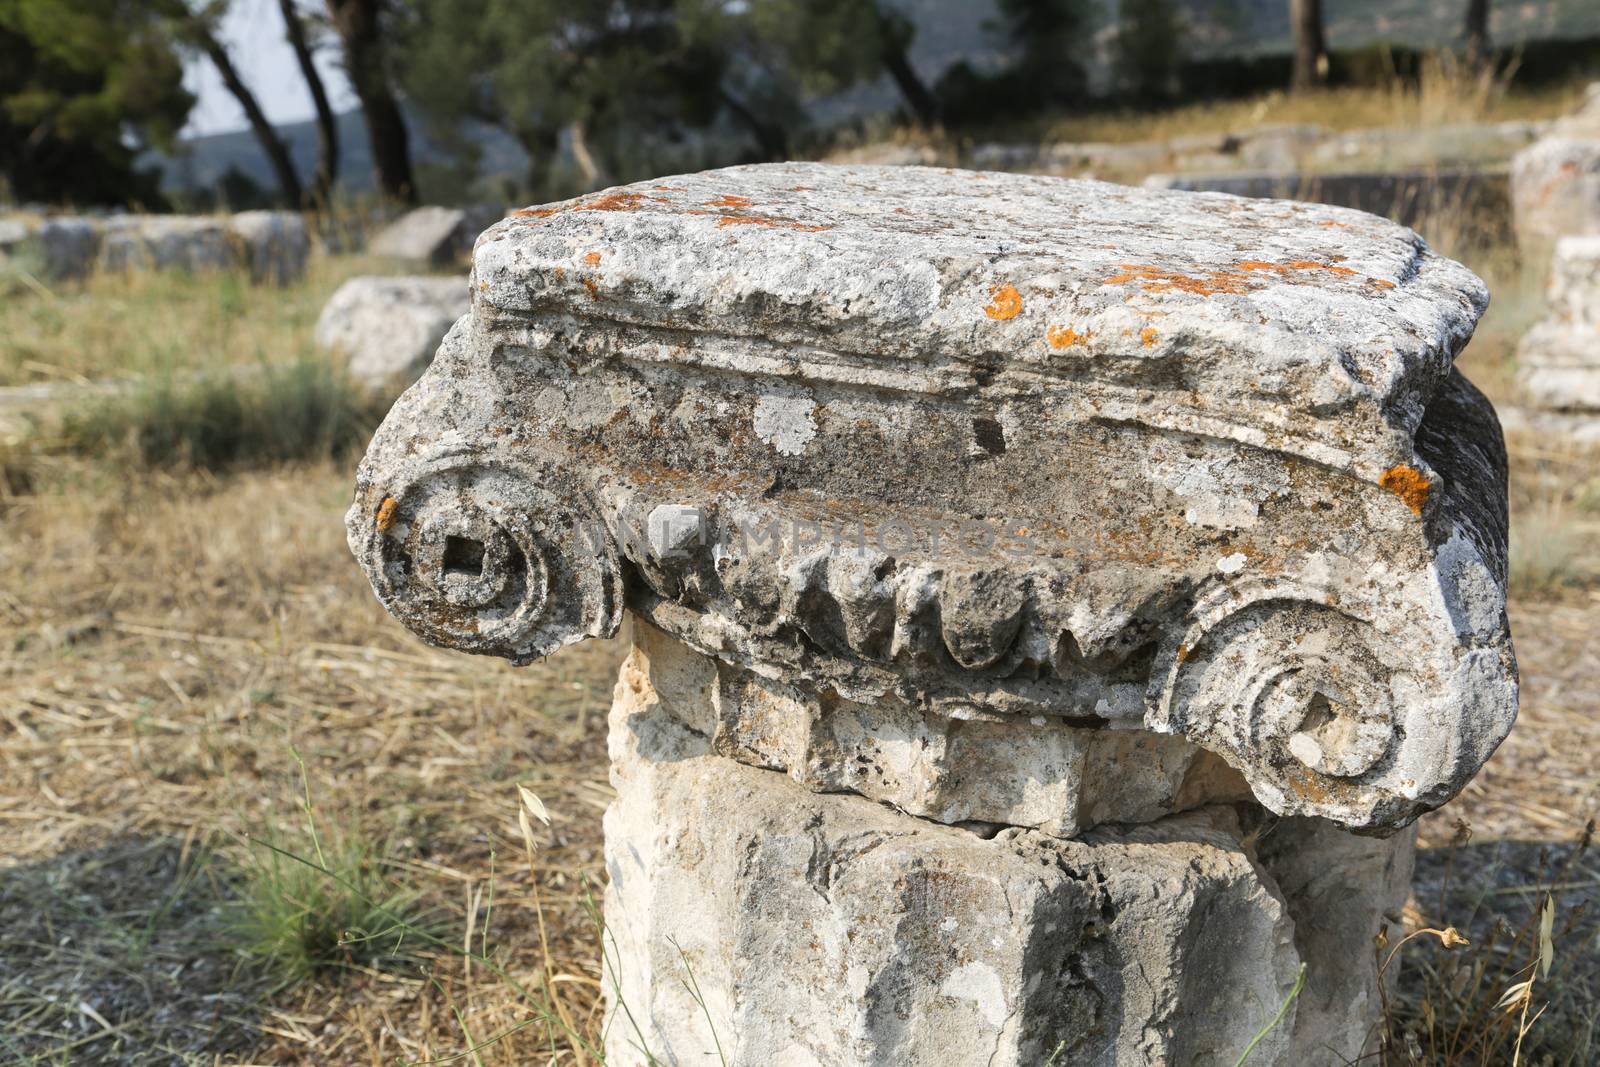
(984, 447)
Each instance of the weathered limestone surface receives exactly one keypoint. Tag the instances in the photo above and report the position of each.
(1006, 552)
(275, 244)
(53, 249)
(1039, 772)
(1555, 182)
(272, 245)
(434, 236)
(388, 328)
(824, 930)
(1559, 358)
(1169, 442)
(1341, 889)
(1555, 190)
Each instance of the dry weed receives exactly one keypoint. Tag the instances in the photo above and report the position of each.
(168, 643)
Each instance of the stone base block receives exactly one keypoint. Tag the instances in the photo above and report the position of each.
(1555, 190)
(752, 918)
(748, 913)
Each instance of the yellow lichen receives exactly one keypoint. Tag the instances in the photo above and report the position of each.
(1409, 484)
(1004, 303)
(1065, 336)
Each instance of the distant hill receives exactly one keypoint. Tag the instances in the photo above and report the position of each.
(948, 31)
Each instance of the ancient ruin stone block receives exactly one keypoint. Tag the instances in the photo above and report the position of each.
(1555, 190)
(166, 242)
(979, 447)
(433, 236)
(824, 929)
(388, 328)
(1042, 773)
(273, 245)
(1559, 358)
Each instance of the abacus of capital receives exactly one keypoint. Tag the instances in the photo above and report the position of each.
(1051, 601)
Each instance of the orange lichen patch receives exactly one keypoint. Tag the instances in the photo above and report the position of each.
(593, 259)
(1409, 484)
(593, 287)
(1161, 280)
(1004, 303)
(729, 200)
(1238, 279)
(1299, 264)
(1148, 336)
(768, 220)
(613, 202)
(1331, 268)
(1380, 283)
(386, 512)
(535, 212)
(1065, 336)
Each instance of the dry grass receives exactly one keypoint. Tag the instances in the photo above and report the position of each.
(167, 644)
(136, 323)
(1441, 95)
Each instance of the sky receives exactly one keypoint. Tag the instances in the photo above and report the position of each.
(252, 30)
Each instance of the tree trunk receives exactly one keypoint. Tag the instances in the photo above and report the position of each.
(595, 176)
(541, 146)
(771, 139)
(357, 24)
(894, 38)
(327, 131)
(1477, 35)
(1310, 48)
(271, 144)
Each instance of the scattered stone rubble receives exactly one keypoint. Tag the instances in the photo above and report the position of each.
(1293, 151)
(1033, 583)
(434, 236)
(1559, 358)
(388, 328)
(1555, 182)
(272, 245)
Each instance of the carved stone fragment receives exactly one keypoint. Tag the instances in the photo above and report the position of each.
(1085, 529)
(984, 444)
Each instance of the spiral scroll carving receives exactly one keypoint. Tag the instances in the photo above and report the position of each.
(1291, 690)
(489, 558)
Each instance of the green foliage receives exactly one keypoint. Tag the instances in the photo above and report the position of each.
(84, 86)
(606, 82)
(537, 68)
(1051, 39)
(1149, 48)
(299, 411)
(304, 910)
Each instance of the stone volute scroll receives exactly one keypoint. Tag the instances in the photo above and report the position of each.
(1032, 541)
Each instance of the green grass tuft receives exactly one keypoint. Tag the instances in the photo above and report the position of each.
(301, 915)
(305, 410)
